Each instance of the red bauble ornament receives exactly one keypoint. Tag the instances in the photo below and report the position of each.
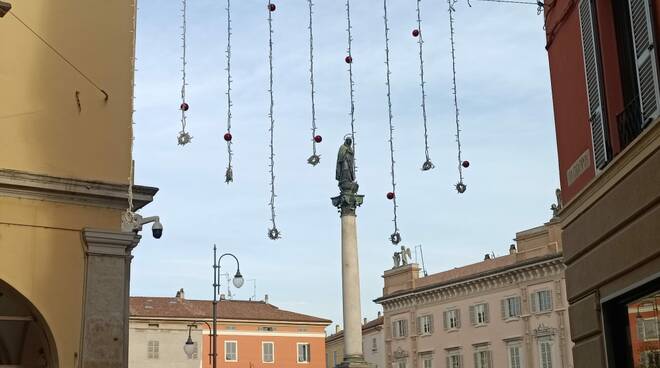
(271, 7)
(228, 137)
(184, 106)
(466, 163)
(390, 195)
(415, 32)
(318, 139)
(348, 59)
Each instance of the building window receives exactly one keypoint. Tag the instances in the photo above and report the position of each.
(153, 349)
(304, 354)
(647, 329)
(454, 360)
(649, 358)
(334, 358)
(545, 353)
(231, 351)
(400, 328)
(266, 328)
(425, 325)
(541, 301)
(479, 314)
(374, 344)
(452, 319)
(401, 364)
(514, 355)
(267, 352)
(511, 307)
(483, 359)
(427, 361)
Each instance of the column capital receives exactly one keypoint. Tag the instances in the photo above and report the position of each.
(109, 242)
(347, 203)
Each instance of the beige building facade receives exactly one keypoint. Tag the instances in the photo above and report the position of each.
(508, 311)
(373, 344)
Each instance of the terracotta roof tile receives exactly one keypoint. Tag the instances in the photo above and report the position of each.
(141, 306)
(371, 324)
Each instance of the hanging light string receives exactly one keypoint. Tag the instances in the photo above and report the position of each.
(314, 159)
(460, 186)
(229, 174)
(350, 73)
(273, 232)
(427, 165)
(539, 4)
(184, 137)
(395, 238)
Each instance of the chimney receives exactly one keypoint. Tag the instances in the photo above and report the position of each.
(512, 249)
(180, 295)
(486, 257)
(266, 298)
(222, 297)
(364, 321)
(379, 314)
(336, 328)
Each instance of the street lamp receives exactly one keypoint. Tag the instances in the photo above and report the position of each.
(238, 282)
(189, 346)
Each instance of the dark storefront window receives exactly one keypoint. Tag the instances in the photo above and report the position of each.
(632, 325)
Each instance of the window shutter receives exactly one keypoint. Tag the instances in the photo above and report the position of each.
(549, 300)
(486, 313)
(457, 313)
(517, 303)
(473, 319)
(504, 303)
(593, 78)
(420, 328)
(646, 62)
(430, 317)
(490, 359)
(309, 352)
(535, 301)
(460, 361)
(476, 360)
(395, 332)
(445, 316)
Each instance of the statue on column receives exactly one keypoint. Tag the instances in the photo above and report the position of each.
(345, 173)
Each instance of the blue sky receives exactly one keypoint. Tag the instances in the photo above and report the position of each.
(508, 137)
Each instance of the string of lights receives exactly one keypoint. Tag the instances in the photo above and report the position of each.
(427, 165)
(184, 137)
(349, 61)
(395, 238)
(273, 232)
(460, 186)
(229, 173)
(314, 159)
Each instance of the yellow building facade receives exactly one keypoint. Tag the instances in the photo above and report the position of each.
(65, 163)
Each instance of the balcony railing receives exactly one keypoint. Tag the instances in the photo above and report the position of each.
(629, 123)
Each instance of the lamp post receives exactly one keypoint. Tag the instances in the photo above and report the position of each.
(238, 281)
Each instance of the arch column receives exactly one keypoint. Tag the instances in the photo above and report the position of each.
(105, 311)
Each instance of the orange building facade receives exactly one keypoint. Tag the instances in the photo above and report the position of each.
(251, 334)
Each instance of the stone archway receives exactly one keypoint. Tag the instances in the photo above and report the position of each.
(25, 339)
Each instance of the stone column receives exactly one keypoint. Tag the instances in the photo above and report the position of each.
(105, 310)
(347, 203)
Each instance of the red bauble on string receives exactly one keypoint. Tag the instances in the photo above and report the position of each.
(348, 59)
(184, 106)
(318, 139)
(390, 195)
(271, 7)
(228, 137)
(466, 164)
(415, 32)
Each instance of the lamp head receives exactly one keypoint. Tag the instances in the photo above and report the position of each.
(189, 347)
(238, 279)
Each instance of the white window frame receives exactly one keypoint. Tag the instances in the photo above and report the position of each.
(454, 359)
(518, 346)
(481, 317)
(153, 349)
(426, 324)
(452, 319)
(644, 336)
(537, 304)
(263, 352)
(516, 301)
(478, 357)
(235, 352)
(544, 341)
(427, 358)
(400, 328)
(307, 353)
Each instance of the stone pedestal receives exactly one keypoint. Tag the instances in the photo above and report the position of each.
(105, 314)
(347, 204)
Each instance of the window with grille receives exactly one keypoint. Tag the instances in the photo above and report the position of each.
(400, 328)
(153, 349)
(542, 301)
(427, 362)
(479, 314)
(231, 351)
(267, 352)
(647, 329)
(304, 353)
(514, 355)
(425, 325)
(511, 307)
(374, 344)
(452, 319)
(545, 353)
(483, 359)
(401, 364)
(454, 360)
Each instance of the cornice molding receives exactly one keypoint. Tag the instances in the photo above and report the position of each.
(22, 184)
(109, 242)
(514, 275)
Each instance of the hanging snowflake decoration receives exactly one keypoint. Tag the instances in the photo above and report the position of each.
(427, 165)
(184, 138)
(314, 160)
(395, 238)
(460, 187)
(273, 234)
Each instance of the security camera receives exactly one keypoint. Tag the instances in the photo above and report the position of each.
(157, 229)
(133, 222)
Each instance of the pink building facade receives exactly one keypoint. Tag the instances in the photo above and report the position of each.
(503, 312)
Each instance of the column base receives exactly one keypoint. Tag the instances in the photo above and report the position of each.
(355, 361)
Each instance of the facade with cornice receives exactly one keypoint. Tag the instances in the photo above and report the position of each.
(373, 344)
(508, 311)
(65, 168)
